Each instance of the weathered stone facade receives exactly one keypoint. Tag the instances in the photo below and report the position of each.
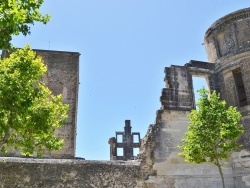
(227, 43)
(71, 173)
(62, 77)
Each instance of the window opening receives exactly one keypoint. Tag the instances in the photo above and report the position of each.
(120, 152)
(198, 83)
(119, 138)
(241, 93)
(136, 151)
(136, 138)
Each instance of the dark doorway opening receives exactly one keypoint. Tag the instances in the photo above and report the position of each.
(241, 93)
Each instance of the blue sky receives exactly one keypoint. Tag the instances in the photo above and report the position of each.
(124, 47)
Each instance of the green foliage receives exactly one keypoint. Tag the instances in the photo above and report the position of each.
(16, 16)
(212, 132)
(29, 112)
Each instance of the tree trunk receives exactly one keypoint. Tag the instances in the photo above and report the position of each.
(221, 174)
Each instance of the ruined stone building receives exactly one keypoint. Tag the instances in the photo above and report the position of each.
(127, 144)
(227, 44)
(227, 71)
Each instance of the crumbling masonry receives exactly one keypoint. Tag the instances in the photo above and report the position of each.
(227, 44)
(227, 71)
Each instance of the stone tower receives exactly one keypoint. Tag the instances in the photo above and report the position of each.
(227, 43)
(62, 77)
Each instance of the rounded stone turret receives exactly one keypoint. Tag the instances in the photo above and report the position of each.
(228, 36)
(227, 44)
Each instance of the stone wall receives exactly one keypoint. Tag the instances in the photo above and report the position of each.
(177, 94)
(165, 169)
(71, 173)
(62, 77)
(241, 168)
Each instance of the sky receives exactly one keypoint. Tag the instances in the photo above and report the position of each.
(125, 46)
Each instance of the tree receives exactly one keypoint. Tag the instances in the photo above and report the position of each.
(29, 112)
(212, 132)
(16, 16)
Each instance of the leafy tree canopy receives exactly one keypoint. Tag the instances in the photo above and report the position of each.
(16, 16)
(29, 112)
(212, 132)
